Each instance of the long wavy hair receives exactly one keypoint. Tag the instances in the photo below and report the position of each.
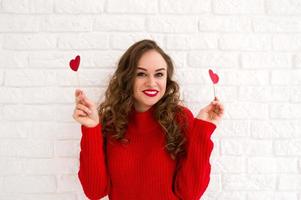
(115, 109)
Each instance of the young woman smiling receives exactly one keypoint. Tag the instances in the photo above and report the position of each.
(141, 142)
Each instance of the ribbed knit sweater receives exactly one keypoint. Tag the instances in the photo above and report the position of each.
(142, 169)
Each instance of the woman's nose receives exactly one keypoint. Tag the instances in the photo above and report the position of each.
(151, 81)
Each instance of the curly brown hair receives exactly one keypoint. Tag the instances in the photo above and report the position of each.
(115, 109)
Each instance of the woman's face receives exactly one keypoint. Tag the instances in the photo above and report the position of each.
(151, 74)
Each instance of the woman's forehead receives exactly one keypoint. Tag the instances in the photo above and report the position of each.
(151, 60)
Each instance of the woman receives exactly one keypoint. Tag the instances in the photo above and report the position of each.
(141, 143)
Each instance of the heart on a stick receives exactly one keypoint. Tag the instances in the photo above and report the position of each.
(74, 63)
(214, 77)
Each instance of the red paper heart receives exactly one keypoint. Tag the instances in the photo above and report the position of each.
(74, 63)
(214, 77)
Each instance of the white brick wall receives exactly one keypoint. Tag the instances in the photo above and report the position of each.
(253, 45)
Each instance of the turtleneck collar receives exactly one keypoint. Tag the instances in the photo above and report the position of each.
(143, 120)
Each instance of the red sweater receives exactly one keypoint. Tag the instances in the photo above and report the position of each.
(142, 169)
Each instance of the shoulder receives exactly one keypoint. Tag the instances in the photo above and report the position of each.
(185, 115)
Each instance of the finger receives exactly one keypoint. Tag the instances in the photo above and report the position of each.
(83, 108)
(81, 113)
(88, 102)
(81, 99)
(78, 92)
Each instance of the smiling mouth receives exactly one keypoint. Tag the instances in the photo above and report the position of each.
(150, 93)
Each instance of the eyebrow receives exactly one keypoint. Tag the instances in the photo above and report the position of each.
(146, 69)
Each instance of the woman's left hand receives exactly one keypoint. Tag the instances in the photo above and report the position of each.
(213, 112)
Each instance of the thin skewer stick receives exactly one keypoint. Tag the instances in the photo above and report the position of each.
(78, 80)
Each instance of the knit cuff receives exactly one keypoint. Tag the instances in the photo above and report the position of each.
(205, 127)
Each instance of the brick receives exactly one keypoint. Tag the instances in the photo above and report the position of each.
(201, 94)
(29, 41)
(10, 95)
(79, 7)
(68, 183)
(238, 7)
(286, 77)
(67, 148)
(86, 78)
(272, 195)
(295, 94)
(37, 112)
(124, 41)
(67, 23)
(283, 7)
(101, 59)
(233, 195)
(60, 59)
(28, 148)
(19, 23)
(232, 147)
(254, 111)
(119, 23)
(83, 41)
(30, 77)
(213, 59)
(270, 165)
(50, 166)
(249, 182)
(66, 196)
(229, 164)
(290, 182)
(214, 188)
(287, 42)
(288, 147)
(266, 60)
(172, 24)
(189, 77)
(65, 114)
(298, 61)
(275, 129)
(215, 23)
(245, 42)
(30, 184)
(1, 77)
(68, 131)
(264, 93)
(188, 7)
(10, 166)
(285, 111)
(245, 77)
(274, 24)
(27, 6)
(14, 129)
(199, 41)
(179, 58)
(246, 147)
(132, 6)
(45, 94)
(13, 59)
(235, 128)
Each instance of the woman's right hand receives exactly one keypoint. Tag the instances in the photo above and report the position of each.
(85, 111)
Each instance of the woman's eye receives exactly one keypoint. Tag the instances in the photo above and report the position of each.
(143, 74)
(140, 74)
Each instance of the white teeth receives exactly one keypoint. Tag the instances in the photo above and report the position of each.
(154, 92)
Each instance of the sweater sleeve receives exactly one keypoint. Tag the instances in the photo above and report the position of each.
(92, 172)
(193, 174)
